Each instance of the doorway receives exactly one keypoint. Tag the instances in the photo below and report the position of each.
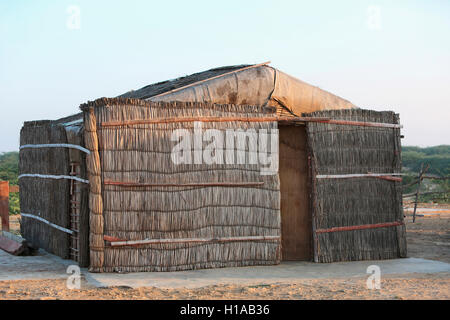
(296, 233)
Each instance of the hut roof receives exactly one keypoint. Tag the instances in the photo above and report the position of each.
(260, 85)
(168, 85)
(72, 120)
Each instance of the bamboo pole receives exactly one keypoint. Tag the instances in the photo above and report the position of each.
(204, 184)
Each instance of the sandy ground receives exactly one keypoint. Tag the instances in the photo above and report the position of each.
(410, 286)
(428, 238)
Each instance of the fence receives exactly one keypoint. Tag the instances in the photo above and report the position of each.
(420, 177)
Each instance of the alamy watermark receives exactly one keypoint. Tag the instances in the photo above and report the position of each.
(229, 146)
(374, 17)
(73, 21)
(374, 280)
(74, 280)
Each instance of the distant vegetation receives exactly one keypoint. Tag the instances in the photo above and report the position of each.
(9, 167)
(437, 157)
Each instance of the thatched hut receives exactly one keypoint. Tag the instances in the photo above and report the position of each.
(107, 188)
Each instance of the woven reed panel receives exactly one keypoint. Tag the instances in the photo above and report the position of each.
(142, 154)
(345, 149)
(47, 198)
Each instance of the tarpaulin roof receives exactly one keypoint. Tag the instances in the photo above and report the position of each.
(258, 84)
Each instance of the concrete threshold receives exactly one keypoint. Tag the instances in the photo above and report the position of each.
(48, 266)
(286, 272)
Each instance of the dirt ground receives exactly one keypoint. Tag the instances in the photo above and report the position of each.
(428, 238)
(411, 286)
(14, 224)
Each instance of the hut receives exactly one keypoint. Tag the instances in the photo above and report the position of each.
(234, 166)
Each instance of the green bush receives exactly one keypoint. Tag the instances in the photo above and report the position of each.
(14, 205)
(9, 167)
(437, 157)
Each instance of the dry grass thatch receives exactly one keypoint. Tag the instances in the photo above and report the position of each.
(339, 149)
(142, 154)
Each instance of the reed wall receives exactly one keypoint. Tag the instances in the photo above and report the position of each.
(142, 154)
(47, 198)
(50, 198)
(345, 149)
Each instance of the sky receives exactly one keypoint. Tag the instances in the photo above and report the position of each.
(381, 55)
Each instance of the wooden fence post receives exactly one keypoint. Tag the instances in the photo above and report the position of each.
(4, 204)
(421, 173)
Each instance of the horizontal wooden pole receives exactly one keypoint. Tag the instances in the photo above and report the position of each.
(435, 178)
(362, 123)
(198, 119)
(360, 227)
(409, 195)
(424, 177)
(386, 176)
(115, 242)
(425, 193)
(434, 192)
(200, 184)
(390, 178)
(247, 119)
(112, 239)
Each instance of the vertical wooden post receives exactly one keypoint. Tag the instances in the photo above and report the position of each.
(312, 206)
(4, 204)
(96, 242)
(419, 179)
(421, 173)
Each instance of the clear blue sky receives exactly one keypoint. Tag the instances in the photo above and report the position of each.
(396, 60)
